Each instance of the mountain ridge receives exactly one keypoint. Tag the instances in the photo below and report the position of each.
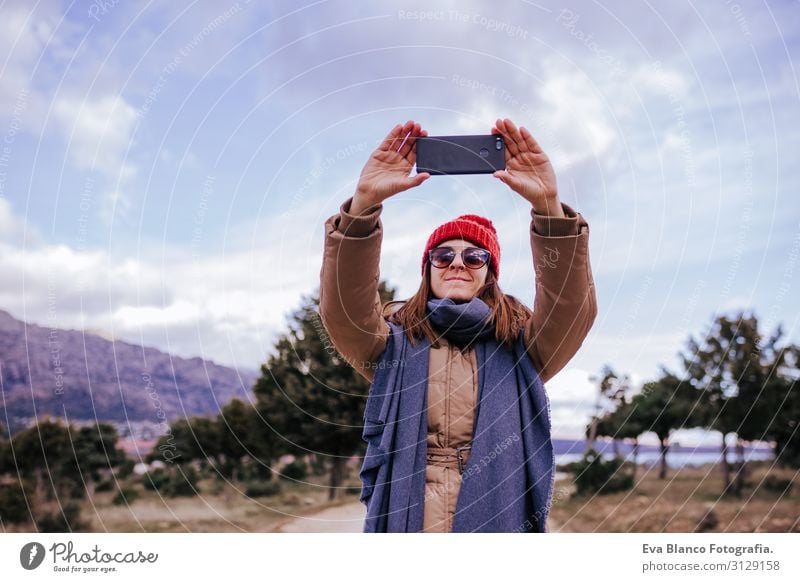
(81, 375)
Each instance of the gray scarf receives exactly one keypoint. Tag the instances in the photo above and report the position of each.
(462, 323)
(507, 483)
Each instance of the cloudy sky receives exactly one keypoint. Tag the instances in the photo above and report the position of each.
(166, 168)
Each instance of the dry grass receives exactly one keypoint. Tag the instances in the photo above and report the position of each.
(218, 508)
(686, 501)
(677, 504)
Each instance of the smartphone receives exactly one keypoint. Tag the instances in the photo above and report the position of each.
(460, 154)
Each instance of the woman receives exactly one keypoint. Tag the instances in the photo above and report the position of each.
(457, 421)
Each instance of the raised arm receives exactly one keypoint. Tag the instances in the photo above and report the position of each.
(350, 305)
(565, 306)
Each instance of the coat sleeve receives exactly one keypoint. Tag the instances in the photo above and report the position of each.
(350, 305)
(565, 305)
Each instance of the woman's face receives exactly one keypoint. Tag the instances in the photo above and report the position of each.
(457, 282)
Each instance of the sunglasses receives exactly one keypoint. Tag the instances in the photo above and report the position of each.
(472, 257)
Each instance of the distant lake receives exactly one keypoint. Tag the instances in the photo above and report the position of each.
(568, 451)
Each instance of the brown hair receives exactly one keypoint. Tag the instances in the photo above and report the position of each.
(508, 313)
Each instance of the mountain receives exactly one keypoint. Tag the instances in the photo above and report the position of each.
(82, 375)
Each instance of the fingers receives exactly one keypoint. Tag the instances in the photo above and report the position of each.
(402, 139)
(508, 129)
(532, 144)
(418, 179)
(506, 151)
(398, 132)
(406, 145)
(518, 139)
(386, 144)
(509, 180)
(412, 181)
(412, 155)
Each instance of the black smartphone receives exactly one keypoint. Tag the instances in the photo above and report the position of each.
(461, 154)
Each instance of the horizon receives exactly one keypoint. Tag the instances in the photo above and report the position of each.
(683, 437)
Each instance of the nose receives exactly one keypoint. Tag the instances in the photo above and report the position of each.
(457, 262)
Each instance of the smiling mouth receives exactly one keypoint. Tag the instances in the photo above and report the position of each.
(454, 279)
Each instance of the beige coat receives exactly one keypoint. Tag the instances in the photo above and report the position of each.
(565, 308)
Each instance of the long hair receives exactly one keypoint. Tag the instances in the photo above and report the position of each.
(508, 313)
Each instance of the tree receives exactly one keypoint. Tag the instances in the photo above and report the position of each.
(95, 450)
(784, 402)
(731, 366)
(44, 452)
(242, 438)
(663, 406)
(190, 439)
(622, 423)
(611, 394)
(309, 397)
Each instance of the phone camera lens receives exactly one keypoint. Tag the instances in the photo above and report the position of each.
(498, 144)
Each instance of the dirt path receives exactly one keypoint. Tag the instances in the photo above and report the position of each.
(347, 518)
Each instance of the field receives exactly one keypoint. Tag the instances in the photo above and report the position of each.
(219, 507)
(688, 500)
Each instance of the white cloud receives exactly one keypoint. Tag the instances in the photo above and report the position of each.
(572, 400)
(76, 283)
(567, 116)
(218, 307)
(657, 79)
(226, 306)
(578, 116)
(15, 229)
(98, 132)
(26, 32)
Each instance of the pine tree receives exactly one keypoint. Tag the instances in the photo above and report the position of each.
(662, 407)
(243, 439)
(309, 397)
(731, 366)
(96, 451)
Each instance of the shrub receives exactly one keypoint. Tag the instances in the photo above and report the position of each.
(155, 480)
(295, 471)
(105, 485)
(68, 487)
(125, 496)
(67, 519)
(126, 468)
(183, 484)
(593, 474)
(173, 483)
(263, 488)
(13, 507)
(775, 484)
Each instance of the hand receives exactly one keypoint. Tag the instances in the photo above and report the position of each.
(386, 172)
(528, 170)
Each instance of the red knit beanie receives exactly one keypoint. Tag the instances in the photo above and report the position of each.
(470, 227)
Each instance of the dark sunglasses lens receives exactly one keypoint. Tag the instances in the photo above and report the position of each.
(475, 258)
(442, 257)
